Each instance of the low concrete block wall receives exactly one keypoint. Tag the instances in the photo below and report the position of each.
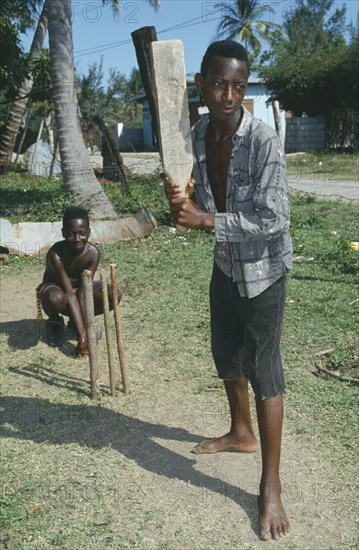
(131, 140)
(31, 238)
(305, 134)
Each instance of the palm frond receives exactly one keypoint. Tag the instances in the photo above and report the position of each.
(262, 10)
(227, 24)
(242, 20)
(115, 4)
(155, 4)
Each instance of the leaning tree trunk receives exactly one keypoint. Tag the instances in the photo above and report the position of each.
(78, 175)
(116, 157)
(49, 130)
(277, 122)
(25, 122)
(15, 117)
(53, 160)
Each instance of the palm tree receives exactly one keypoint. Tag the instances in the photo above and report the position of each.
(242, 20)
(78, 175)
(17, 111)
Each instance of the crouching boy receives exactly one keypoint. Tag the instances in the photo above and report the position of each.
(61, 292)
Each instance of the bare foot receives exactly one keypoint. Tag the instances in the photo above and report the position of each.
(227, 443)
(273, 521)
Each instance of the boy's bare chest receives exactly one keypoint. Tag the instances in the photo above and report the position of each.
(75, 264)
(74, 267)
(217, 160)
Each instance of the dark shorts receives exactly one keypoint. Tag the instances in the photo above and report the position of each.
(246, 334)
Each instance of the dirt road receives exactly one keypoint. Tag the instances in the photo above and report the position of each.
(319, 184)
(347, 190)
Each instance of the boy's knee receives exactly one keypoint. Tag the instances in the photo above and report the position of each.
(56, 299)
(110, 297)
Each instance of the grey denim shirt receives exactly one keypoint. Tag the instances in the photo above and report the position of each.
(253, 244)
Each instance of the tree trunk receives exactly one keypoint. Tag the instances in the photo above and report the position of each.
(15, 117)
(78, 175)
(25, 122)
(52, 165)
(49, 130)
(277, 122)
(116, 157)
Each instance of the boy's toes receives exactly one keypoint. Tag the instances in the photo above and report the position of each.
(275, 534)
(265, 534)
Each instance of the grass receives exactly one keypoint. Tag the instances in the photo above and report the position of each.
(322, 301)
(26, 197)
(326, 165)
(47, 499)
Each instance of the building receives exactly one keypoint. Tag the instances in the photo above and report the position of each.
(255, 100)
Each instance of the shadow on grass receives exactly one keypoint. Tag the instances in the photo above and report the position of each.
(53, 378)
(96, 428)
(27, 333)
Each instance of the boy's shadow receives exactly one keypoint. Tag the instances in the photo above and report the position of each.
(99, 428)
(27, 333)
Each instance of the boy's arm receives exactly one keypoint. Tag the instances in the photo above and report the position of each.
(66, 285)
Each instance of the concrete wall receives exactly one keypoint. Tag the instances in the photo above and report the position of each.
(305, 134)
(148, 144)
(131, 139)
(35, 238)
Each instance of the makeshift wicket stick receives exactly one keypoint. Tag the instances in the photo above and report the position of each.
(116, 311)
(91, 334)
(109, 343)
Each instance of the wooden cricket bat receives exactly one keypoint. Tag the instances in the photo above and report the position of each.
(163, 74)
(171, 100)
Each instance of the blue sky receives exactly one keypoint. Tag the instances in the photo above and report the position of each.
(98, 32)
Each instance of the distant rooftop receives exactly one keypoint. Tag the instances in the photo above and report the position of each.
(253, 78)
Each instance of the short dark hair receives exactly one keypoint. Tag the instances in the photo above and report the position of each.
(223, 48)
(75, 213)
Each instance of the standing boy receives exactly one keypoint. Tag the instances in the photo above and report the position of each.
(61, 291)
(241, 192)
